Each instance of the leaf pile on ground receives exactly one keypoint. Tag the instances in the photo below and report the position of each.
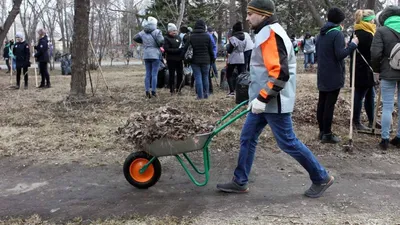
(165, 122)
(305, 110)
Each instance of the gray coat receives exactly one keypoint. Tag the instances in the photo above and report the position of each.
(237, 56)
(148, 37)
(382, 44)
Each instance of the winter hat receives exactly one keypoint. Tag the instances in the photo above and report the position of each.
(389, 11)
(190, 29)
(151, 20)
(262, 7)
(210, 29)
(172, 27)
(184, 29)
(335, 15)
(19, 35)
(200, 24)
(237, 27)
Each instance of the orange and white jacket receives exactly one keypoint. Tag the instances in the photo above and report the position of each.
(273, 70)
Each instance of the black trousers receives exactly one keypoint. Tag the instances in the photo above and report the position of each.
(8, 64)
(44, 74)
(25, 74)
(231, 77)
(247, 57)
(175, 66)
(326, 107)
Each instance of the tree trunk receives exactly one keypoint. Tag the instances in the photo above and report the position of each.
(61, 24)
(243, 10)
(370, 4)
(314, 13)
(80, 49)
(66, 25)
(181, 13)
(232, 13)
(10, 20)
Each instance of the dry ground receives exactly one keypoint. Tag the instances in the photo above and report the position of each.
(39, 127)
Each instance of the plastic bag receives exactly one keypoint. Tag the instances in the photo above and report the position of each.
(242, 87)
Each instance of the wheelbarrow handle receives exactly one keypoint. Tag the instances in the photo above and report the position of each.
(220, 125)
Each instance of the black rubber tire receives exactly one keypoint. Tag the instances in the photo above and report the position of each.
(142, 185)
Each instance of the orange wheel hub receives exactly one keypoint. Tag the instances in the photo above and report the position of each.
(135, 167)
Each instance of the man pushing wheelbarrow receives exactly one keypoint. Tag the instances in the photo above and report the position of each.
(272, 97)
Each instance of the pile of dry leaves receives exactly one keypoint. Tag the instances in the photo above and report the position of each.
(305, 110)
(143, 128)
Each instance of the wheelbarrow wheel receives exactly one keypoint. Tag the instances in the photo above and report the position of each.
(134, 162)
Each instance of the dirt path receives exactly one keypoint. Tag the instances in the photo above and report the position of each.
(366, 191)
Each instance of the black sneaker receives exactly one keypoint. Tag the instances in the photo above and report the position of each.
(154, 94)
(41, 86)
(233, 187)
(360, 126)
(395, 141)
(316, 190)
(48, 85)
(148, 94)
(26, 86)
(330, 138)
(384, 145)
(320, 135)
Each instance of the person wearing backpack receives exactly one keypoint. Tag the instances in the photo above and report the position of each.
(203, 57)
(384, 44)
(331, 52)
(364, 79)
(235, 48)
(152, 39)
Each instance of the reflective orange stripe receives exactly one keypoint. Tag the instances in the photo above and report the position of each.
(270, 54)
(270, 84)
(263, 93)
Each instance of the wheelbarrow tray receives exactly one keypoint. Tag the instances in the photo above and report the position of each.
(169, 147)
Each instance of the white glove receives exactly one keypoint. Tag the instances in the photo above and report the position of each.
(257, 106)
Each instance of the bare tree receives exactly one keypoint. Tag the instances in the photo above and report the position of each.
(30, 17)
(80, 49)
(317, 17)
(370, 4)
(61, 24)
(49, 20)
(10, 19)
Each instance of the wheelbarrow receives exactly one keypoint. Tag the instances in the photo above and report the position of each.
(143, 169)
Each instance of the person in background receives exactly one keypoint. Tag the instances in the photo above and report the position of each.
(203, 57)
(295, 44)
(247, 50)
(308, 45)
(6, 52)
(22, 55)
(272, 95)
(331, 52)
(364, 78)
(152, 39)
(172, 43)
(42, 56)
(213, 68)
(183, 30)
(385, 38)
(235, 48)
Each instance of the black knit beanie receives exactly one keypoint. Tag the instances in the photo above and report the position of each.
(200, 24)
(237, 27)
(335, 15)
(262, 7)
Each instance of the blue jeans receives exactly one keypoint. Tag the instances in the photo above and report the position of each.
(14, 64)
(281, 126)
(369, 103)
(308, 58)
(214, 68)
(388, 88)
(201, 73)
(152, 66)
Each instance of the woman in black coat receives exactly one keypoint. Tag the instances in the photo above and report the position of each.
(364, 79)
(22, 55)
(42, 56)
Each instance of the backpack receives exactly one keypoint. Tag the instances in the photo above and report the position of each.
(394, 57)
(189, 52)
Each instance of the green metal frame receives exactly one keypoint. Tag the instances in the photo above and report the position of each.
(220, 125)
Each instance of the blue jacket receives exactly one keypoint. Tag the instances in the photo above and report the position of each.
(42, 54)
(331, 52)
(214, 45)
